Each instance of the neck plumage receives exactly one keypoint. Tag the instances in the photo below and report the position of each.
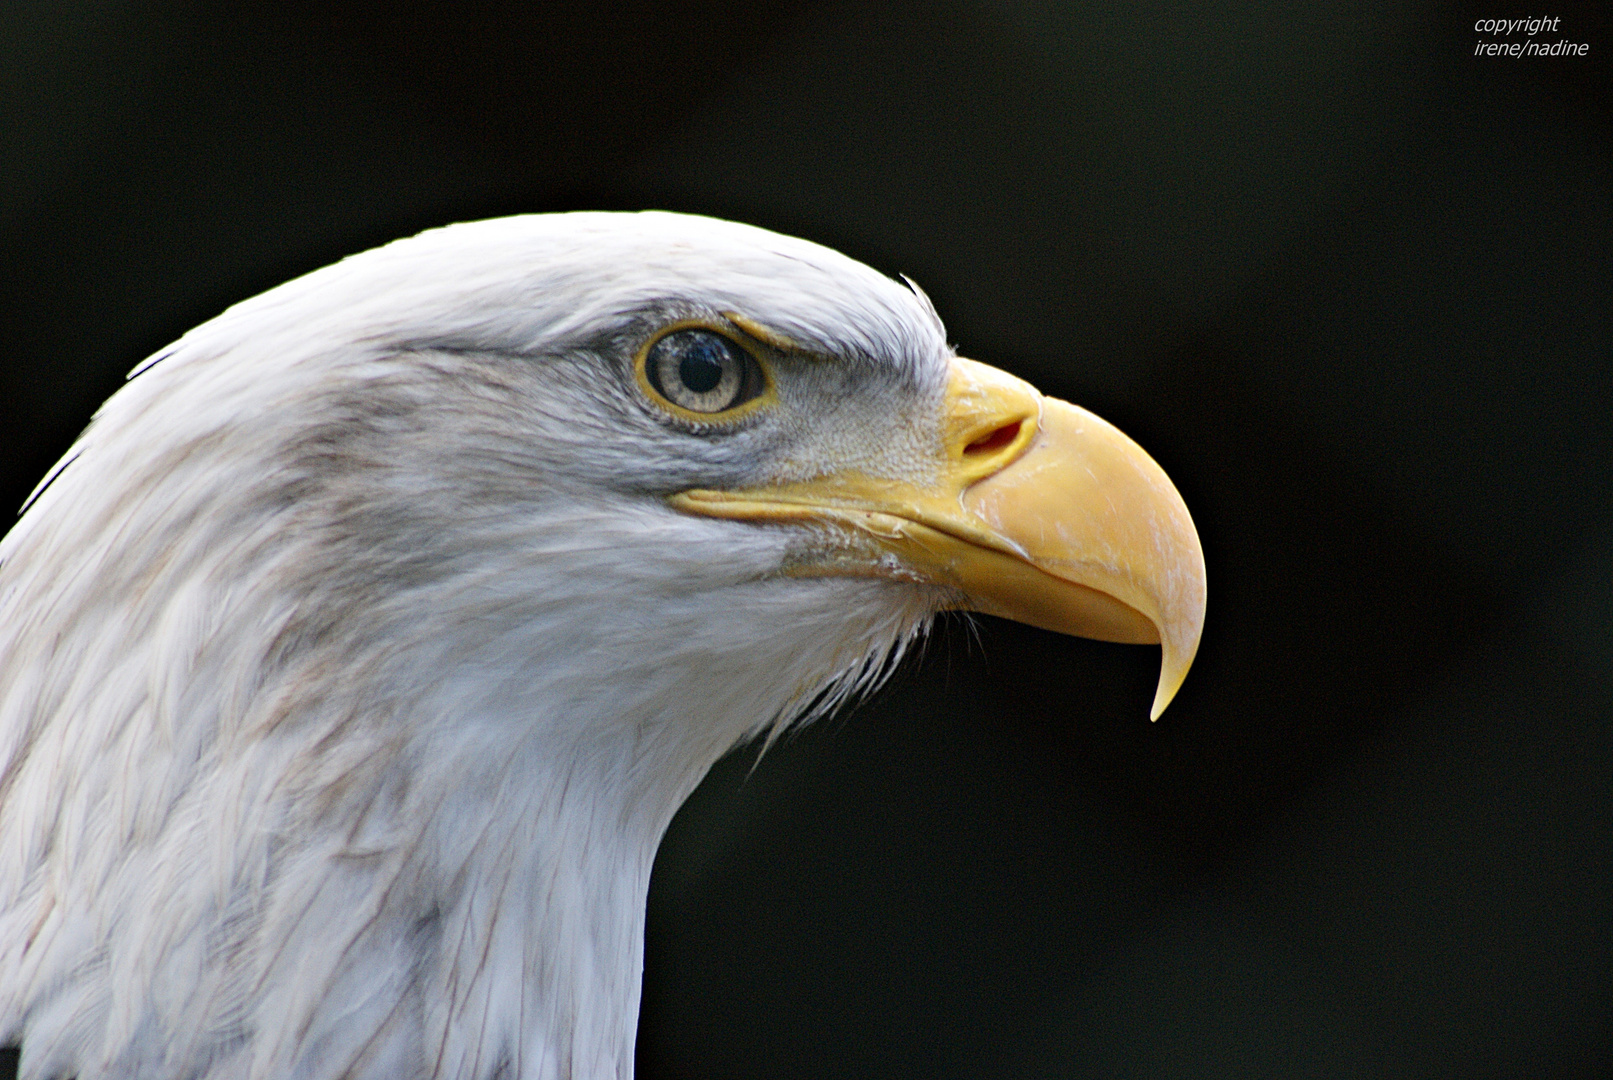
(506, 851)
(540, 951)
(399, 837)
(529, 956)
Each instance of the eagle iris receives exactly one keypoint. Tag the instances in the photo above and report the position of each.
(702, 371)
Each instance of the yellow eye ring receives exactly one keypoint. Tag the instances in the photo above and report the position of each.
(702, 374)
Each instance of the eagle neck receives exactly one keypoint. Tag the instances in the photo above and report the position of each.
(541, 945)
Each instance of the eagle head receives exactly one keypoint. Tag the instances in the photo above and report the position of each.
(355, 659)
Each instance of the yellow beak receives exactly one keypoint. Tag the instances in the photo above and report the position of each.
(1038, 511)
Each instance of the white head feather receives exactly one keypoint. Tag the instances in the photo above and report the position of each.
(352, 666)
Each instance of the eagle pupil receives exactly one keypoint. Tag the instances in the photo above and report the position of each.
(700, 370)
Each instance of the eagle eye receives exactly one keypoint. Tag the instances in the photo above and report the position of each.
(702, 371)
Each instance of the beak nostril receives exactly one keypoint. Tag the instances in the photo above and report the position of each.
(994, 440)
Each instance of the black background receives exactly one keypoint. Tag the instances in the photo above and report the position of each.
(1346, 281)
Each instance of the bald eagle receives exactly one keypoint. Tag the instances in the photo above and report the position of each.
(355, 659)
